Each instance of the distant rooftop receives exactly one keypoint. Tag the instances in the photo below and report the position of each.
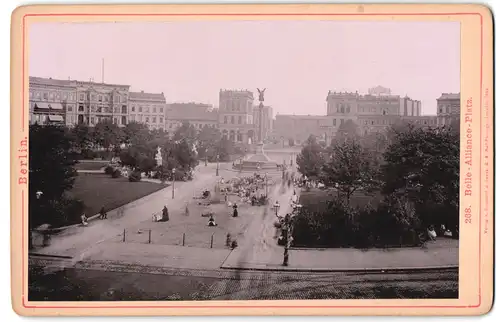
(191, 111)
(146, 96)
(445, 96)
(68, 82)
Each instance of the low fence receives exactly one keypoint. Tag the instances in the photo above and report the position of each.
(217, 239)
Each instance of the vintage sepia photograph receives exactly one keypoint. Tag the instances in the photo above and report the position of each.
(250, 159)
(244, 160)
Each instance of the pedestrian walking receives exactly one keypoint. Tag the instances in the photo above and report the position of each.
(235, 210)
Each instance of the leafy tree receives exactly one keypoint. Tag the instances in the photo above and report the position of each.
(349, 168)
(82, 136)
(347, 131)
(310, 160)
(208, 139)
(136, 133)
(423, 163)
(107, 134)
(186, 132)
(51, 173)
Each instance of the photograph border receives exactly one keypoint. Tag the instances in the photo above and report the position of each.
(482, 292)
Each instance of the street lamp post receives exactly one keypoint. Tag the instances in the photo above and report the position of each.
(217, 168)
(206, 157)
(265, 179)
(173, 183)
(288, 222)
(276, 208)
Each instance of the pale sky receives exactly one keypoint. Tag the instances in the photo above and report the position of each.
(297, 61)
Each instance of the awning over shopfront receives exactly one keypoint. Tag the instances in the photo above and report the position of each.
(42, 106)
(56, 118)
(55, 106)
(49, 106)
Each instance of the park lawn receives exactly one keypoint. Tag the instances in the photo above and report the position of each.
(316, 199)
(90, 165)
(100, 190)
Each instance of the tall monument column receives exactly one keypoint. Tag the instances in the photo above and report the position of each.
(261, 109)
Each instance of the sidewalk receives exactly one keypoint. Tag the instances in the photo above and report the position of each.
(167, 256)
(317, 260)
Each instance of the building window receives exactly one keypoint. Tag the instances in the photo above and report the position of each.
(341, 121)
(124, 109)
(37, 95)
(69, 108)
(147, 119)
(51, 96)
(140, 109)
(348, 109)
(372, 122)
(106, 98)
(92, 120)
(154, 109)
(45, 96)
(225, 119)
(133, 108)
(154, 119)
(342, 110)
(334, 122)
(232, 119)
(81, 108)
(65, 96)
(146, 109)
(239, 119)
(124, 120)
(100, 98)
(161, 119)
(161, 109)
(82, 97)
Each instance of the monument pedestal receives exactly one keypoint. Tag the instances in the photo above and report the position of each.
(257, 161)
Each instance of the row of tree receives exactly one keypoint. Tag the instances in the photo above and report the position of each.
(409, 165)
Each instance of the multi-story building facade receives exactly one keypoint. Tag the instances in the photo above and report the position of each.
(73, 102)
(149, 109)
(448, 108)
(50, 100)
(197, 114)
(372, 113)
(98, 102)
(236, 120)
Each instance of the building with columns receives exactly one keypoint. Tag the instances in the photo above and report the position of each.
(98, 102)
(372, 112)
(236, 115)
(448, 108)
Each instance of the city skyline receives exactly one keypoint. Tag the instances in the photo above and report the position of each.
(197, 59)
